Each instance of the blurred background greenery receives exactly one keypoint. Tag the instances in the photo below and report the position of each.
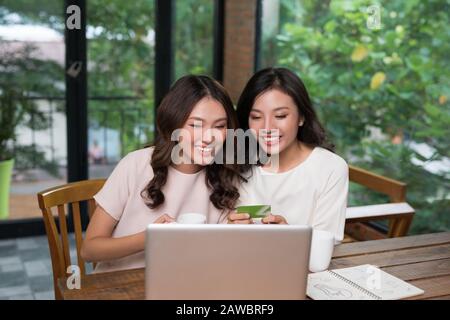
(382, 93)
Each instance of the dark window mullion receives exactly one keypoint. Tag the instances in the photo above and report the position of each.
(164, 13)
(76, 98)
(76, 104)
(218, 39)
(258, 32)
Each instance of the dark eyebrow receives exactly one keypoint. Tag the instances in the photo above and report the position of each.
(276, 109)
(201, 119)
(281, 108)
(196, 118)
(221, 119)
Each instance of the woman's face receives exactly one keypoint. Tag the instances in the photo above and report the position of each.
(275, 119)
(204, 132)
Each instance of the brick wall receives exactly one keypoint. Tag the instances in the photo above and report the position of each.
(239, 44)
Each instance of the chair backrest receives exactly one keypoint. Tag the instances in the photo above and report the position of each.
(400, 216)
(71, 194)
(394, 189)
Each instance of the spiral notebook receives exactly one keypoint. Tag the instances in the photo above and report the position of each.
(365, 282)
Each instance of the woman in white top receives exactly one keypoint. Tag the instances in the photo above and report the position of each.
(303, 180)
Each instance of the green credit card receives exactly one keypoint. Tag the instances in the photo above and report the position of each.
(255, 211)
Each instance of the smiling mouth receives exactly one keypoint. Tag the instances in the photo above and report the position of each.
(205, 151)
(270, 140)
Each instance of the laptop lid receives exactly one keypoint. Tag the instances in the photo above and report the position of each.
(213, 261)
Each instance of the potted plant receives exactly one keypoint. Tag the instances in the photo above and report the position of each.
(22, 76)
(6, 157)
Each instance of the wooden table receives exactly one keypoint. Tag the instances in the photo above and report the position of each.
(423, 261)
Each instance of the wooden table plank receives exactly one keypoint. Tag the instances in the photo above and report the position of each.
(97, 286)
(108, 279)
(126, 291)
(375, 246)
(423, 261)
(420, 270)
(433, 287)
(439, 298)
(397, 257)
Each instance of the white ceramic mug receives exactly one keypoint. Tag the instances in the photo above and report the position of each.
(191, 218)
(322, 245)
(257, 220)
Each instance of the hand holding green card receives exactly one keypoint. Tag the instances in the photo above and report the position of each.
(255, 211)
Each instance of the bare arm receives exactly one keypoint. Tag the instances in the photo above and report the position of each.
(99, 245)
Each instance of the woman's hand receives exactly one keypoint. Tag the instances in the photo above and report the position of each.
(165, 218)
(274, 219)
(239, 218)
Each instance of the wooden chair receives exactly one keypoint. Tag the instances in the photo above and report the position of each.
(70, 194)
(398, 212)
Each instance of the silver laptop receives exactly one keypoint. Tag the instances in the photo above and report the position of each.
(210, 261)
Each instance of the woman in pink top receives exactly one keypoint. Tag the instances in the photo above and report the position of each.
(175, 176)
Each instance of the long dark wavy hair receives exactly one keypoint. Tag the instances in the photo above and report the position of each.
(172, 114)
(312, 132)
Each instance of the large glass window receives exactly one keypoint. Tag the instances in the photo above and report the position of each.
(120, 53)
(121, 38)
(378, 74)
(193, 49)
(32, 108)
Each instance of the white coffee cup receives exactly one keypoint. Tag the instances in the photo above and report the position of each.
(192, 218)
(322, 245)
(257, 220)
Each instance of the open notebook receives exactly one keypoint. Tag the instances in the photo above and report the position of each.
(365, 282)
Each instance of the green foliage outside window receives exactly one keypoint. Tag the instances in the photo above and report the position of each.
(383, 94)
